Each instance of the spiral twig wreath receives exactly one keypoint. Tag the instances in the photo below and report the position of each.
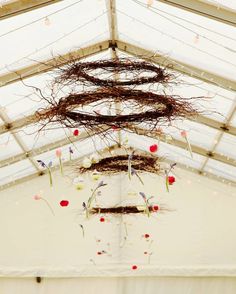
(91, 72)
(123, 209)
(119, 163)
(140, 106)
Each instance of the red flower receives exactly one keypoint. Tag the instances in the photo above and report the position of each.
(171, 180)
(76, 133)
(64, 203)
(134, 267)
(102, 219)
(153, 148)
(146, 236)
(99, 253)
(155, 207)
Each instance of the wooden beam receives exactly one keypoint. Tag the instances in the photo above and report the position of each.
(45, 66)
(181, 144)
(180, 66)
(48, 147)
(32, 176)
(207, 9)
(14, 8)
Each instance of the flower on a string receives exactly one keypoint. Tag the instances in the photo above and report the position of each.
(134, 172)
(102, 219)
(153, 148)
(76, 132)
(58, 153)
(171, 180)
(64, 203)
(37, 197)
(41, 163)
(48, 167)
(101, 184)
(71, 150)
(84, 205)
(143, 195)
(155, 207)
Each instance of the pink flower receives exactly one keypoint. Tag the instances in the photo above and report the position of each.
(183, 134)
(58, 152)
(37, 197)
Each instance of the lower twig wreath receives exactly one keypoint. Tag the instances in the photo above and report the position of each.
(91, 72)
(123, 209)
(119, 163)
(142, 107)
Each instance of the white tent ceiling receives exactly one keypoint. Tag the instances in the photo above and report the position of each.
(172, 33)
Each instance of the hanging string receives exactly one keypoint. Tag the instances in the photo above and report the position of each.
(176, 39)
(186, 28)
(57, 40)
(40, 19)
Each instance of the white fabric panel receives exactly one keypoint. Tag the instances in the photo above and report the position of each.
(195, 234)
(150, 285)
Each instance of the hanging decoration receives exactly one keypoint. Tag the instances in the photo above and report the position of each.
(131, 72)
(139, 209)
(140, 107)
(119, 163)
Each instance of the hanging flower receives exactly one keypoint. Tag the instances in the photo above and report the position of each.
(155, 207)
(87, 163)
(102, 219)
(76, 132)
(37, 197)
(153, 148)
(183, 134)
(171, 180)
(95, 176)
(48, 167)
(94, 158)
(115, 128)
(71, 152)
(58, 153)
(64, 203)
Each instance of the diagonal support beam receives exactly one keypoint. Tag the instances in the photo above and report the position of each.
(178, 65)
(48, 147)
(195, 149)
(42, 67)
(4, 117)
(103, 152)
(207, 9)
(21, 6)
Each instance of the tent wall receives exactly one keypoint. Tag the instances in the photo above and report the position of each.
(194, 236)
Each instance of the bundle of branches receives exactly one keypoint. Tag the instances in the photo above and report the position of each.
(91, 72)
(119, 163)
(123, 209)
(140, 106)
